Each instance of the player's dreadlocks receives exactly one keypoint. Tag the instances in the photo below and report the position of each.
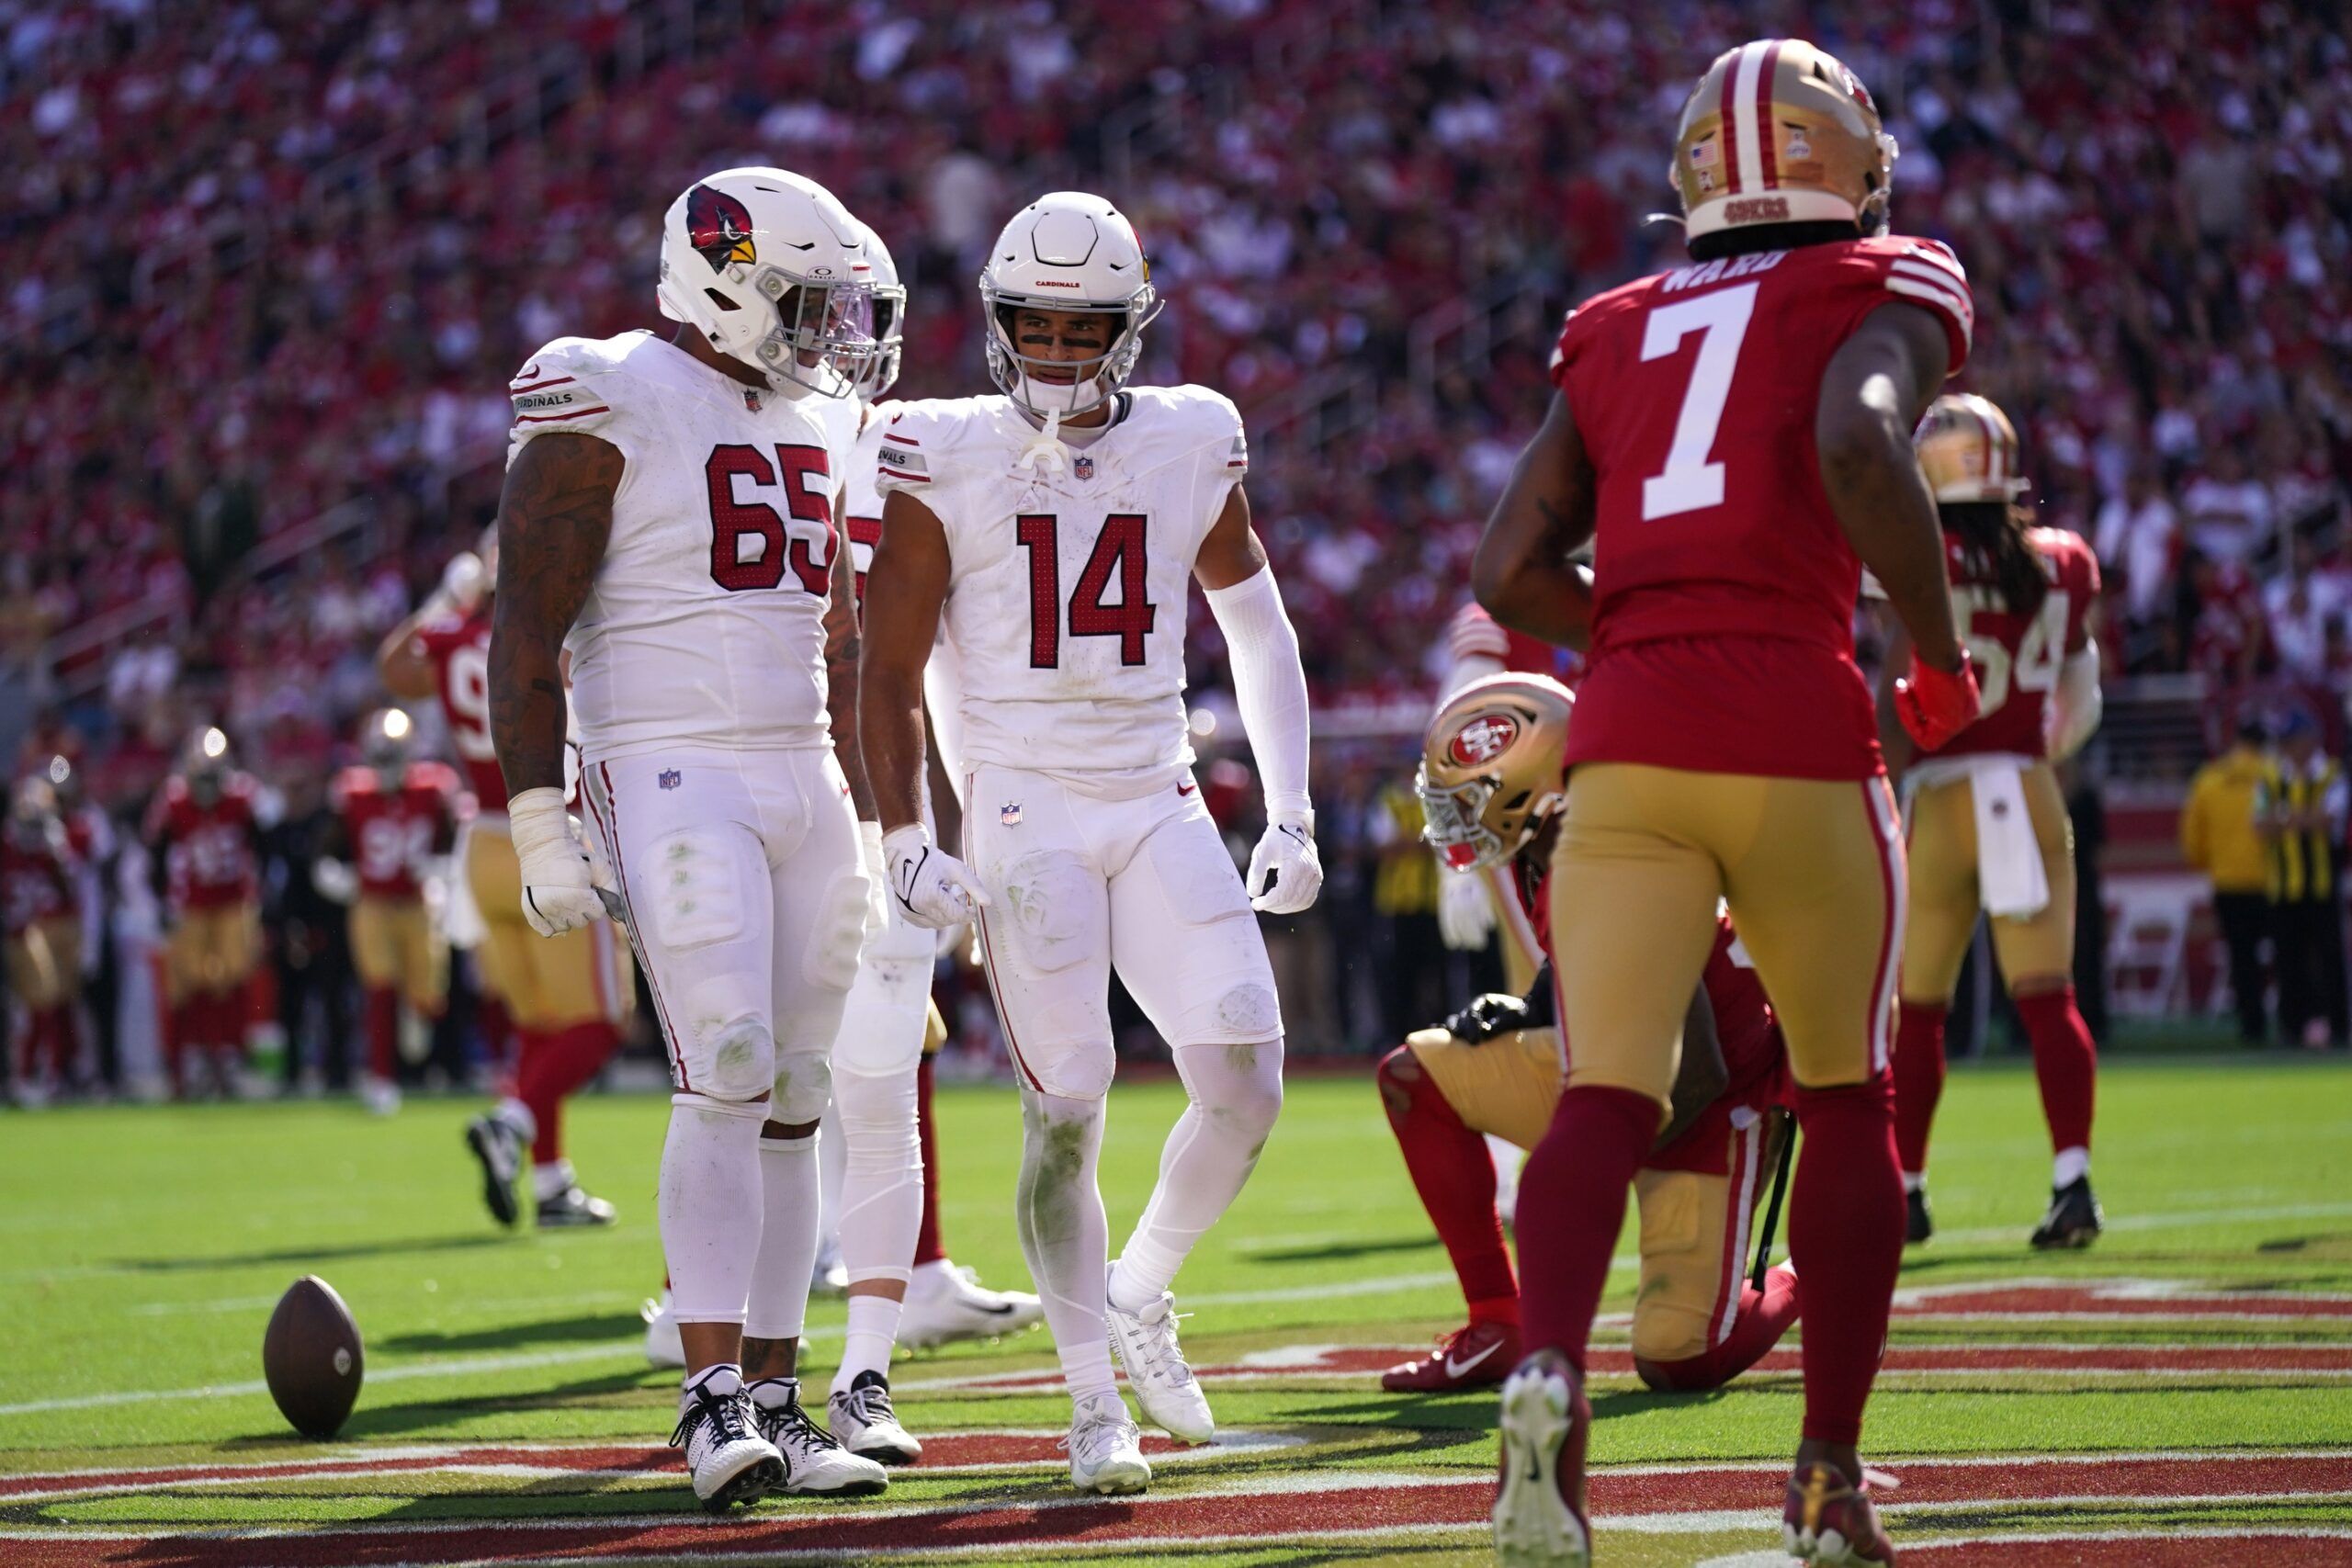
(1993, 534)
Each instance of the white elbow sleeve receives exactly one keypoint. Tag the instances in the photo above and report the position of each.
(2076, 704)
(1271, 686)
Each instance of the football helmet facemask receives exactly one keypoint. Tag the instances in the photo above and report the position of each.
(879, 371)
(1968, 449)
(1780, 132)
(1490, 774)
(1067, 250)
(773, 270)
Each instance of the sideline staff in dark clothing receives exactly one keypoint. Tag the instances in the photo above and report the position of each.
(2299, 811)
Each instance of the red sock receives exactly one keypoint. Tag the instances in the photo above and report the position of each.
(66, 1043)
(383, 1032)
(1456, 1178)
(1571, 1206)
(30, 1045)
(555, 1066)
(1918, 1079)
(500, 1038)
(927, 1247)
(1846, 1238)
(2065, 1062)
(229, 1025)
(177, 1021)
(1764, 1316)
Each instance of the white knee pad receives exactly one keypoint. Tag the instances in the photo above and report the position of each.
(1054, 909)
(803, 1086)
(733, 1054)
(690, 890)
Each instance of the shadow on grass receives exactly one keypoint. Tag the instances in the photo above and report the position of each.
(1339, 1249)
(583, 1327)
(304, 1256)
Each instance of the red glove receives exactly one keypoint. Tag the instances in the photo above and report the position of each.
(1935, 706)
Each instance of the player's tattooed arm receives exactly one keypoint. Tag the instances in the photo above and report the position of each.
(905, 588)
(1702, 1075)
(1522, 574)
(1877, 385)
(554, 520)
(841, 649)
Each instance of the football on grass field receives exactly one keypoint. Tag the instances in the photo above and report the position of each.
(311, 1357)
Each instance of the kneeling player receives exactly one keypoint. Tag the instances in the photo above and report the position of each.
(1490, 787)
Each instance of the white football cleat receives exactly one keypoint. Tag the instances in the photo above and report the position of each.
(815, 1464)
(829, 1277)
(1105, 1449)
(730, 1461)
(1145, 1343)
(664, 1347)
(947, 1302)
(860, 1417)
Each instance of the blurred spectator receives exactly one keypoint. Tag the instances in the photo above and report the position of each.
(2300, 812)
(2219, 837)
(2136, 537)
(309, 947)
(2229, 511)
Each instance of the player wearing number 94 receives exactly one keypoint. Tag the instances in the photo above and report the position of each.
(1734, 438)
(1054, 527)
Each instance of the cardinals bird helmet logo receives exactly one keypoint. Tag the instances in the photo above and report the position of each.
(719, 229)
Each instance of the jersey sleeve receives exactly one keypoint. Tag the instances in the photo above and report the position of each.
(1924, 273)
(903, 458)
(565, 387)
(2078, 573)
(1224, 454)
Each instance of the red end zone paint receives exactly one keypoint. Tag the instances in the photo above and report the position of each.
(2115, 1298)
(1269, 1513)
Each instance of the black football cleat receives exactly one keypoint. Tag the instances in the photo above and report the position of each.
(499, 1154)
(2073, 1220)
(573, 1207)
(1918, 1223)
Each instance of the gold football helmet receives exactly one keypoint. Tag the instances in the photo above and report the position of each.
(1490, 768)
(1968, 449)
(1779, 132)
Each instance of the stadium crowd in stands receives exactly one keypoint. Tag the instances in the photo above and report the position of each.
(268, 259)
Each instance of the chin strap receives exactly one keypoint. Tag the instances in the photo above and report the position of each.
(1045, 453)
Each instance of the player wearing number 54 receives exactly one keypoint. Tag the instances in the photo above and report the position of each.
(1054, 529)
(1735, 436)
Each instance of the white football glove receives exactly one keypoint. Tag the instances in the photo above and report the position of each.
(933, 888)
(1466, 910)
(463, 582)
(877, 878)
(565, 885)
(1285, 874)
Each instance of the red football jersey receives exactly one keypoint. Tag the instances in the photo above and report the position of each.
(459, 650)
(1723, 588)
(34, 886)
(2018, 657)
(393, 831)
(207, 850)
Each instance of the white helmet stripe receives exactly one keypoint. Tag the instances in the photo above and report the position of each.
(1741, 111)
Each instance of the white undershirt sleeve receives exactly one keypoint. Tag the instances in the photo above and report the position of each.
(1271, 685)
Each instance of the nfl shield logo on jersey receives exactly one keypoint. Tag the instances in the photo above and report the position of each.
(668, 778)
(1085, 467)
(1009, 815)
(751, 398)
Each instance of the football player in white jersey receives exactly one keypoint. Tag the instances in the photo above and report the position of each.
(887, 1026)
(667, 523)
(1054, 527)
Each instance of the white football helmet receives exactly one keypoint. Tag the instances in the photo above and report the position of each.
(881, 369)
(1067, 250)
(773, 270)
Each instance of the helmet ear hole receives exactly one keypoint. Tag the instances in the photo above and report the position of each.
(721, 301)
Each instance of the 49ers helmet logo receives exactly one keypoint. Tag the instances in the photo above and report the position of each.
(1483, 740)
(719, 227)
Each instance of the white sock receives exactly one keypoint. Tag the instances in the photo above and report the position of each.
(723, 1379)
(2070, 1167)
(1063, 1233)
(833, 1160)
(1915, 1181)
(788, 1253)
(517, 1118)
(873, 1334)
(881, 1193)
(551, 1180)
(775, 1393)
(1234, 1093)
(710, 1205)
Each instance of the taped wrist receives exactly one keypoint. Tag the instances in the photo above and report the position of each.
(539, 823)
(1271, 686)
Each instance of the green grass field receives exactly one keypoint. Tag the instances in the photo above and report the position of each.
(2194, 1371)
